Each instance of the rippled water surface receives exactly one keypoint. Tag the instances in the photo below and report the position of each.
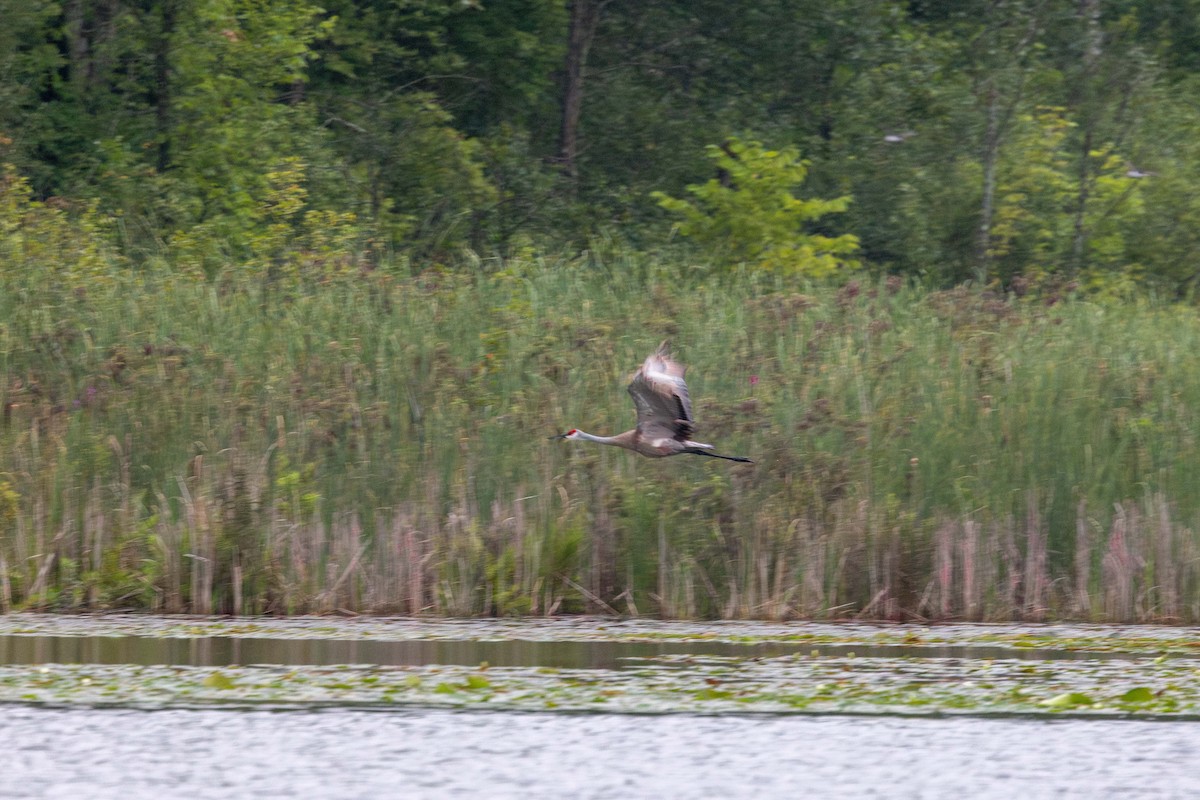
(219, 651)
(128, 754)
(137, 707)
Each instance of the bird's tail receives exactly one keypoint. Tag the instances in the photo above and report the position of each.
(700, 452)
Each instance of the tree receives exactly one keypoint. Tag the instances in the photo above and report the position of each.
(585, 17)
(403, 162)
(237, 112)
(749, 213)
(1106, 79)
(1000, 57)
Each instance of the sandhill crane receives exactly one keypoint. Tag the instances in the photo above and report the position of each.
(664, 413)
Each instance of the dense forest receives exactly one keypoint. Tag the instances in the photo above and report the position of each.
(291, 297)
(966, 139)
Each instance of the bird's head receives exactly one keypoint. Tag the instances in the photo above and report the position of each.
(571, 434)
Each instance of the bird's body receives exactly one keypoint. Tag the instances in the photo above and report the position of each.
(664, 411)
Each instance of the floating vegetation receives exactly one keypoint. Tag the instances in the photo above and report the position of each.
(1127, 639)
(1157, 674)
(1143, 687)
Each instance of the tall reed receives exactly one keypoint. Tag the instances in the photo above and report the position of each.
(375, 442)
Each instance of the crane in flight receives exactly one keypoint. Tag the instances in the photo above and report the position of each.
(664, 414)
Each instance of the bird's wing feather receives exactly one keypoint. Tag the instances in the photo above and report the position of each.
(661, 398)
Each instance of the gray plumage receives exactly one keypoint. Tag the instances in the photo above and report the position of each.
(664, 411)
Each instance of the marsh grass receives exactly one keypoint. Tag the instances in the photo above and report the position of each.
(374, 442)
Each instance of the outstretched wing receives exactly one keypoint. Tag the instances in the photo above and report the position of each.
(660, 395)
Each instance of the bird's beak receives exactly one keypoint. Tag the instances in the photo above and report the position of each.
(559, 436)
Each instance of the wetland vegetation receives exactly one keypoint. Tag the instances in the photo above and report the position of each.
(706, 668)
(372, 441)
(292, 296)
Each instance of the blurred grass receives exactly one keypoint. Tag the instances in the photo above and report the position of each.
(373, 441)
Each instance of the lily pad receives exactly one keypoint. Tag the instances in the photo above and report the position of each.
(1138, 694)
(218, 680)
(1068, 700)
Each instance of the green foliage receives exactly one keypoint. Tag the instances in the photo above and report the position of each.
(432, 182)
(751, 215)
(1160, 222)
(406, 165)
(9, 500)
(288, 239)
(231, 60)
(247, 291)
(28, 59)
(428, 127)
(372, 441)
(38, 239)
(509, 54)
(1030, 232)
(297, 497)
(130, 572)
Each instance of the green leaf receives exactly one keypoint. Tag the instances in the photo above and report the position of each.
(755, 218)
(1138, 694)
(219, 680)
(1068, 700)
(475, 682)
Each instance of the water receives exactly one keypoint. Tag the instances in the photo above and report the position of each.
(77, 728)
(127, 755)
(219, 651)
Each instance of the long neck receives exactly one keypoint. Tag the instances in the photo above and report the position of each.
(620, 440)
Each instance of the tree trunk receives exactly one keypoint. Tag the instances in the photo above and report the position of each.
(77, 41)
(1010, 30)
(1089, 11)
(90, 28)
(991, 154)
(162, 85)
(585, 16)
